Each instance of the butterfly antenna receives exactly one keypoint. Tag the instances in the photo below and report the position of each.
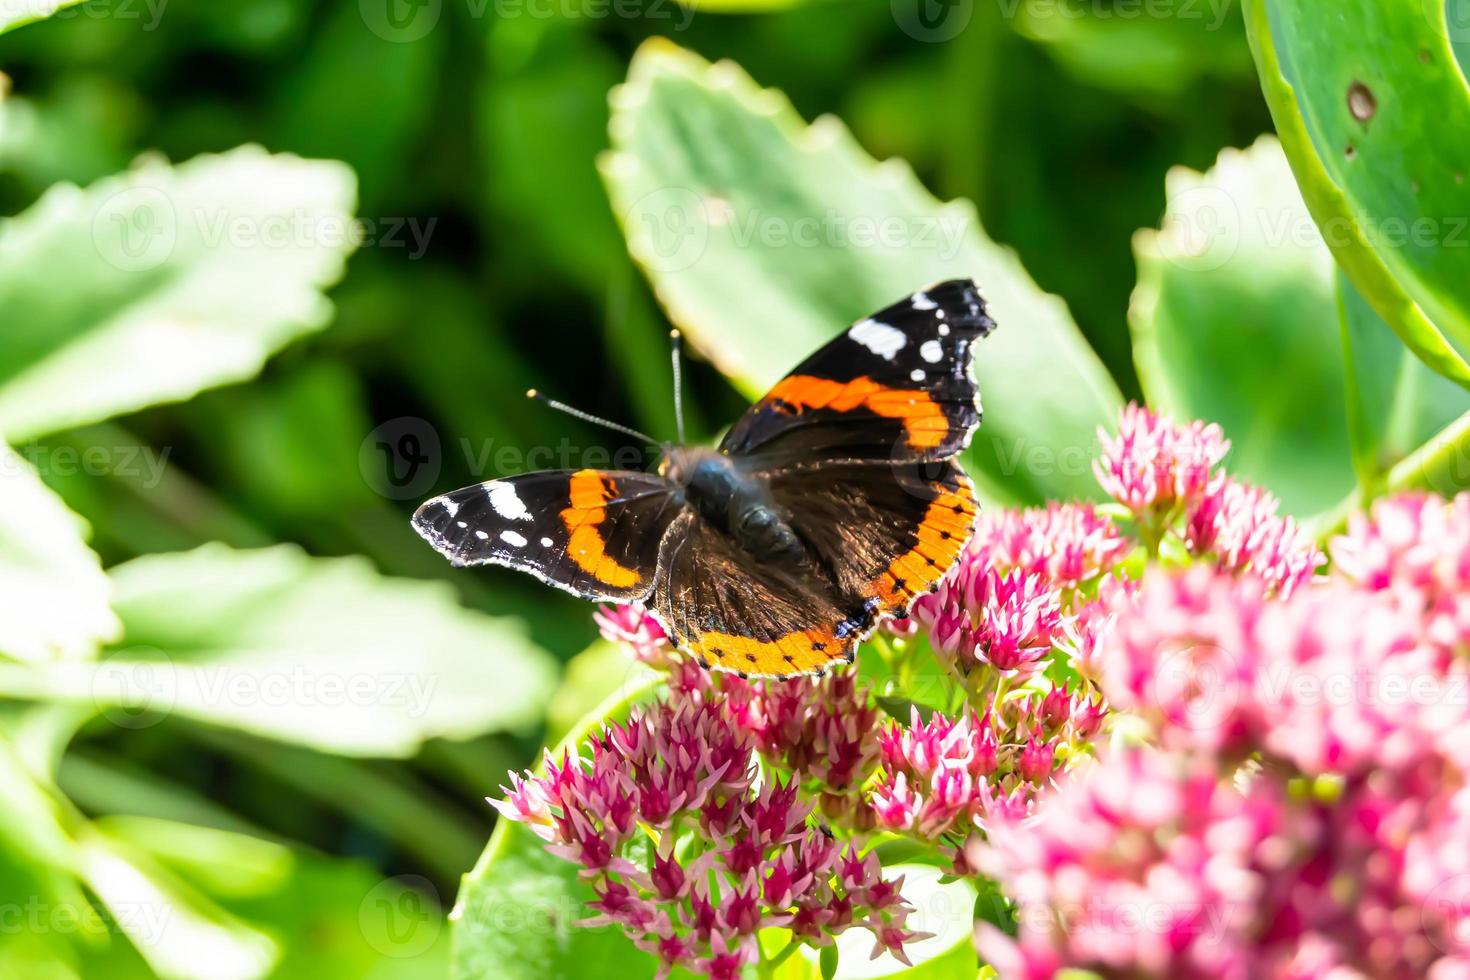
(677, 340)
(535, 395)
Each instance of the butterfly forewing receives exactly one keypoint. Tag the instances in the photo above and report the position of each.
(593, 533)
(894, 386)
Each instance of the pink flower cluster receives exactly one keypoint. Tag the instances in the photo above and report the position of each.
(823, 731)
(1146, 866)
(1009, 601)
(1415, 548)
(1066, 544)
(1307, 809)
(643, 635)
(730, 857)
(949, 777)
(1155, 467)
(1164, 473)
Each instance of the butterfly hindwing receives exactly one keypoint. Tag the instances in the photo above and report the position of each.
(883, 533)
(593, 533)
(731, 613)
(894, 386)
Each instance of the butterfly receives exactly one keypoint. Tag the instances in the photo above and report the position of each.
(830, 505)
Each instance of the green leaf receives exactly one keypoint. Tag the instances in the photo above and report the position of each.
(332, 918)
(171, 924)
(828, 959)
(516, 915)
(1395, 403)
(1234, 321)
(764, 236)
(53, 594)
(177, 279)
(15, 13)
(1364, 102)
(322, 652)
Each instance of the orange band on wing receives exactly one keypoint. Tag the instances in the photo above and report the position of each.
(922, 417)
(589, 493)
(802, 652)
(941, 537)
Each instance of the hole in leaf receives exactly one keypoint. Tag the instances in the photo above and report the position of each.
(1361, 102)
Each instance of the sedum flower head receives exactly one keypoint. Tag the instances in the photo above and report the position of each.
(1154, 466)
(729, 856)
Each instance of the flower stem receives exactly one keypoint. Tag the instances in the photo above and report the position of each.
(767, 967)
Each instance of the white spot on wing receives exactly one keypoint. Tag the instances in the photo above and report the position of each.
(505, 502)
(944, 330)
(482, 535)
(931, 351)
(880, 338)
(451, 507)
(916, 375)
(921, 301)
(512, 538)
(546, 542)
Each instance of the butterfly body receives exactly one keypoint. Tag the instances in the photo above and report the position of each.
(831, 504)
(735, 500)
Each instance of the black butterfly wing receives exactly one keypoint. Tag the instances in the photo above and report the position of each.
(884, 534)
(895, 386)
(731, 612)
(593, 533)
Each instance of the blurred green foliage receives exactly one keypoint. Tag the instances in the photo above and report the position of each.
(275, 270)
